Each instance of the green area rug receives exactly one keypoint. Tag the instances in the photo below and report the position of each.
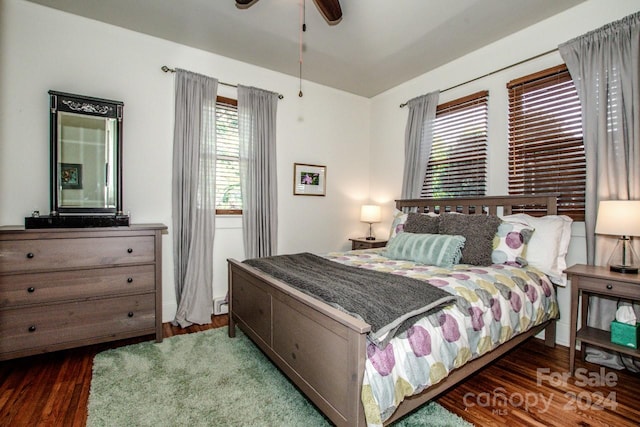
(207, 379)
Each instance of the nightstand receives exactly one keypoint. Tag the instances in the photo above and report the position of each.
(363, 243)
(588, 280)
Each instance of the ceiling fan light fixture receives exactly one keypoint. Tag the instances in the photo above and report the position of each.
(245, 4)
(330, 10)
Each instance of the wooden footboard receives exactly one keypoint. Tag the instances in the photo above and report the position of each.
(323, 350)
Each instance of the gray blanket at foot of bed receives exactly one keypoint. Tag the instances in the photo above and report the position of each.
(383, 300)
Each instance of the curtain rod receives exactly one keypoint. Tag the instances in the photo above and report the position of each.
(495, 71)
(171, 70)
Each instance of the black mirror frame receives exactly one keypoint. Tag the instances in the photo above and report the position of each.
(98, 107)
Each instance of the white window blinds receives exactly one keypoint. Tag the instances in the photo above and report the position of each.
(228, 195)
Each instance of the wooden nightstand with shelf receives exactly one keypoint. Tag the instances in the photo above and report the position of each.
(589, 280)
(363, 243)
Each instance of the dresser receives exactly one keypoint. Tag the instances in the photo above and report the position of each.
(64, 288)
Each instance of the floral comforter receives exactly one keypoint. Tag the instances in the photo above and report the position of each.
(494, 304)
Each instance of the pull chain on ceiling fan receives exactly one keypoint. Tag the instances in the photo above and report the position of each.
(329, 9)
(303, 28)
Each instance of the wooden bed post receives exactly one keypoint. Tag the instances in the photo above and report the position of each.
(550, 335)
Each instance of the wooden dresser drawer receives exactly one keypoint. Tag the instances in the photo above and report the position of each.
(253, 307)
(318, 354)
(607, 286)
(38, 288)
(58, 254)
(59, 324)
(360, 245)
(363, 243)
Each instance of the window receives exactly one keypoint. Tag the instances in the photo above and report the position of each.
(228, 194)
(458, 160)
(546, 149)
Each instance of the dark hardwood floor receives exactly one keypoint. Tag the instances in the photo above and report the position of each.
(527, 387)
(530, 386)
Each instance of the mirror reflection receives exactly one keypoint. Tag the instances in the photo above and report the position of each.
(86, 161)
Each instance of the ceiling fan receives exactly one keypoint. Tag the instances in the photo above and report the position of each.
(329, 9)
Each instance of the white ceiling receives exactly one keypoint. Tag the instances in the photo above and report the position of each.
(377, 45)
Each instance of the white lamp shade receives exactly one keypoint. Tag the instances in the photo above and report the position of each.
(619, 217)
(370, 213)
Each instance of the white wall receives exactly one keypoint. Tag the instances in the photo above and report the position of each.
(388, 121)
(43, 49)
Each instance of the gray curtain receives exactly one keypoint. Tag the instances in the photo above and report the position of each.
(193, 196)
(258, 173)
(418, 141)
(605, 66)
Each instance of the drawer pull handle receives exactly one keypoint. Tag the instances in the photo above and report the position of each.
(31, 290)
(32, 328)
(609, 287)
(30, 255)
(130, 250)
(129, 279)
(130, 314)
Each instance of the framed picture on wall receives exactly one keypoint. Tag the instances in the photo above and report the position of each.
(309, 180)
(71, 176)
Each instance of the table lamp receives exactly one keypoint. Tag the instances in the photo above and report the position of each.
(370, 214)
(620, 218)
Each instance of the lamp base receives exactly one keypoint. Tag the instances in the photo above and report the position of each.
(627, 269)
(624, 258)
(370, 236)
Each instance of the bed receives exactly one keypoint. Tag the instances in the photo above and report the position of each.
(325, 351)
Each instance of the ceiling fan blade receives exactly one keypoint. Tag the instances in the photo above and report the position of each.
(330, 10)
(244, 4)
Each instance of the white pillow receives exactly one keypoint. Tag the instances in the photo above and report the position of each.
(549, 244)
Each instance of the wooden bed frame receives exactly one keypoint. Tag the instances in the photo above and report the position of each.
(323, 350)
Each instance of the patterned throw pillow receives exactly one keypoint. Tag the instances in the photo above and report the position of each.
(510, 243)
(397, 225)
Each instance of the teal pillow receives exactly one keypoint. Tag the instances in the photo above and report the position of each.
(441, 250)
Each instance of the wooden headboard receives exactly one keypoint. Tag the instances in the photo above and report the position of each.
(545, 204)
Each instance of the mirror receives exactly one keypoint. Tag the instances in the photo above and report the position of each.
(86, 155)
